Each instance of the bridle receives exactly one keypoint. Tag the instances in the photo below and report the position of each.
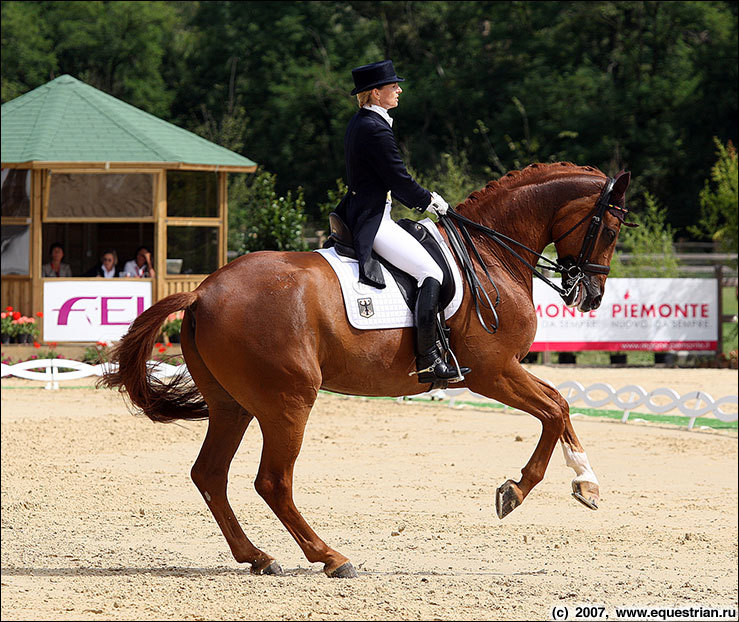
(573, 269)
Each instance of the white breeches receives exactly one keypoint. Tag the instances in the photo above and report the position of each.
(401, 249)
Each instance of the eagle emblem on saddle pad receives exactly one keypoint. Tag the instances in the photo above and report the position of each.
(365, 307)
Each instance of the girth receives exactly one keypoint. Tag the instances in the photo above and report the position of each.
(342, 240)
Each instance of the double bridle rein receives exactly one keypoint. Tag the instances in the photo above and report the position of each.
(573, 269)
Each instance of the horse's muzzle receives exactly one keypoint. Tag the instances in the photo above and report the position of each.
(586, 294)
(593, 294)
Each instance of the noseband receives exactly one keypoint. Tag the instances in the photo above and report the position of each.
(573, 269)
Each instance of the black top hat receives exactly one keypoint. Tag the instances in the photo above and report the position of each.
(371, 76)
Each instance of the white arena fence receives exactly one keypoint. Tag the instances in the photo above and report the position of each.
(659, 401)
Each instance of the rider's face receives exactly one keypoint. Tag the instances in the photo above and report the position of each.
(388, 95)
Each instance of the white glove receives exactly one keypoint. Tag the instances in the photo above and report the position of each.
(438, 205)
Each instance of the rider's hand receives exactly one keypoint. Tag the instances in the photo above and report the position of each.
(438, 205)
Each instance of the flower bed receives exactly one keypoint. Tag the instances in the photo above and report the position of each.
(18, 328)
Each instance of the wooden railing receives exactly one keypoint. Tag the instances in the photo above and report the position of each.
(174, 285)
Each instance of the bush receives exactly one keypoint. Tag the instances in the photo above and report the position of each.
(260, 220)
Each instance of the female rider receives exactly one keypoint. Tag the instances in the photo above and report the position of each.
(375, 170)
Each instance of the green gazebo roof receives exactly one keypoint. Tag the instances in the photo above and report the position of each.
(68, 121)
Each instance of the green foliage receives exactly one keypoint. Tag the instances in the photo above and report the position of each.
(172, 328)
(649, 244)
(97, 354)
(451, 178)
(638, 85)
(259, 219)
(121, 48)
(333, 196)
(28, 58)
(718, 200)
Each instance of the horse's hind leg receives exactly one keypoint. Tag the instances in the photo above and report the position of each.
(226, 428)
(282, 441)
(227, 424)
(585, 486)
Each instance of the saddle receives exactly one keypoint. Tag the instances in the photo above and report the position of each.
(341, 240)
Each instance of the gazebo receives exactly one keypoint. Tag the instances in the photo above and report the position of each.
(92, 173)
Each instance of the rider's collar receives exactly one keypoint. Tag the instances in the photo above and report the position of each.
(381, 111)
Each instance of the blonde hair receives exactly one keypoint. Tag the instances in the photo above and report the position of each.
(364, 98)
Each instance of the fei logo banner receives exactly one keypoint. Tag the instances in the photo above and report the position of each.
(92, 310)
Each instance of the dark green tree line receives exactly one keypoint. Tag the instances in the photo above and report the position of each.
(491, 86)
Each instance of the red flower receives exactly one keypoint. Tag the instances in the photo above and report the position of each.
(162, 349)
(36, 344)
(39, 314)
(16, 314)
(51, 344)
(9, 309)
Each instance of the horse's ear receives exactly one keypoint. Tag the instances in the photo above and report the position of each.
(623, 178)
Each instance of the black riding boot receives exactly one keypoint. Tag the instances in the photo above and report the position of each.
(429, 364)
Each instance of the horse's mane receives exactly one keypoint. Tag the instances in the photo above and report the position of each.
(514, 179)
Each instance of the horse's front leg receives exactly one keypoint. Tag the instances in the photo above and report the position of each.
(518, 388)
(585, 486)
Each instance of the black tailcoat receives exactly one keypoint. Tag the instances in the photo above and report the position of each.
(373, 167)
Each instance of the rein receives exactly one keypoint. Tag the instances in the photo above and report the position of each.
(573, 270)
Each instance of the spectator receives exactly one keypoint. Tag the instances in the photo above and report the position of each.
(108, 267)
(55, 267)
(141, 266)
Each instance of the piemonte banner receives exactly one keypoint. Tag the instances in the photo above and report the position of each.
(636, 314)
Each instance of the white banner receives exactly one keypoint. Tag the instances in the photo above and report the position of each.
(636, 314)
(92, 310)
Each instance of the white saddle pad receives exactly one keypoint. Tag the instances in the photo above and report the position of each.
(368, 307)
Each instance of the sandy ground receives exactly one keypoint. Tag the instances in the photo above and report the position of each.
(101, 522)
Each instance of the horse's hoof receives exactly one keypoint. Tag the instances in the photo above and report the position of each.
(586, 493)
(345, 571)
(507, 498)
(269, 567)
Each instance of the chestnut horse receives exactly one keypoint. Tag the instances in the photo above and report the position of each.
(264, 333)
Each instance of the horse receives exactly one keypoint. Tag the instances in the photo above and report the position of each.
(263, 334)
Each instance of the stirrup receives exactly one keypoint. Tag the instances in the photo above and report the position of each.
(429, 375)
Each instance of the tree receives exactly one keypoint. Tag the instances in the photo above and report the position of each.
(638, 85)
(29, 59)
(650, 244)
(718, 200)
(117, 47)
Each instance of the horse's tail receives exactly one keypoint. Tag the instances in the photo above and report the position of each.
(178, 398)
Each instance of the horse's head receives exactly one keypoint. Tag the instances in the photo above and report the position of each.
(585, 238)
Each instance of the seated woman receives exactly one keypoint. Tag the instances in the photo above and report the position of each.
(108, 267)
(141, 266)
(55, 267)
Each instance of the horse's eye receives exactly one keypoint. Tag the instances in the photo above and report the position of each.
(610, 234)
